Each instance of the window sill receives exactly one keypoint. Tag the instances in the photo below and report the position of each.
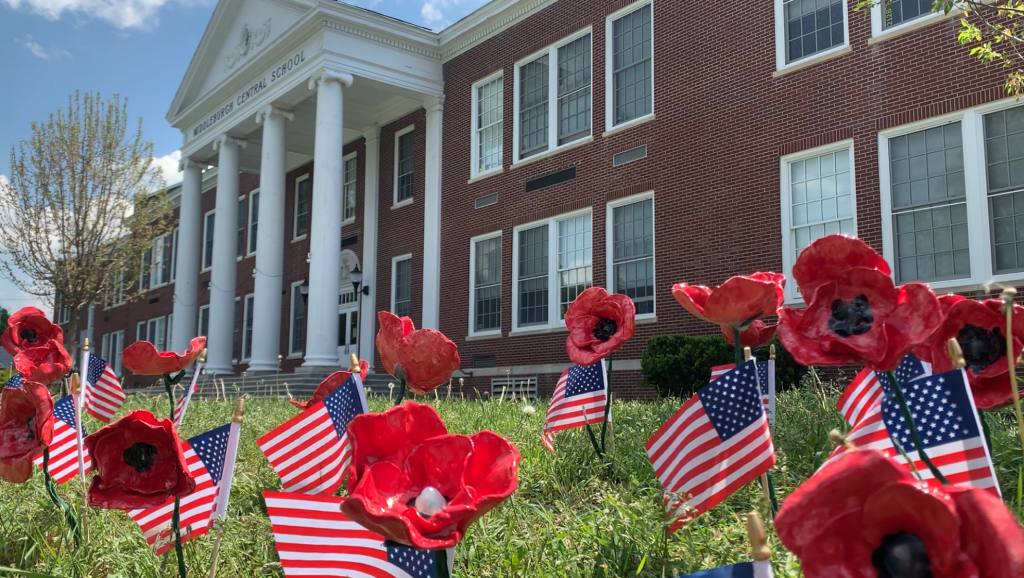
(247, 255)
(912, 26)
(646, 320)
(294, 356)
(817, 59)
(206, 270)
(628, 125)
(553, 152)
(539, 331)
(351, 221)
(404, 203)
(299, 238)
(483, 176)
(483, 336)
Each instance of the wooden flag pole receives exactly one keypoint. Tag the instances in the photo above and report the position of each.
(759, 550)
(765, 483)
(76, 390)
(215, 554)
(1011, 361)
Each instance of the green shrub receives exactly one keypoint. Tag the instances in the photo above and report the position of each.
(679, 365)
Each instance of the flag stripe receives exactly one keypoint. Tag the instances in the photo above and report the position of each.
(573, 411)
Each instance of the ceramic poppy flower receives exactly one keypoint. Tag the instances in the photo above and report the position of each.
(737, 302)
(426, 357)
(43, 364)
(980, 329)
(29, 327)
(142, 358)
(416, 484)
(854, 311)
(864, 515)
(327, 386)
(598, 324)
(756, 335)
(924, 351)
(26, 427)
(139, 463)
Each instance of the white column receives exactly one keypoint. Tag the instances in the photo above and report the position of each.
(432, 216)
(368, 314)
(325, 233)
(225, 240)
(266, 323)
(190, 234)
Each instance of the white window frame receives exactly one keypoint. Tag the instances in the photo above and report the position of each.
(780, 40)
(344, 183)
(140, 329)
(245, 315)
(785, 187)
(472, 284)
(155, 323)
(609, 244)
(207, 236)
(111, 352)
(609, 75)
(394, 197)
(474, 168)
(552, 54)
(170, 327)
(174, 255)
(250, 239)
(295, 209)
(555, 320)
(114, 296)
(155, 272)
(295, 287)
(394, 270)
(199, 320)
(878, 31)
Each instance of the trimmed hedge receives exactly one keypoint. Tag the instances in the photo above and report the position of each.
(679, 365)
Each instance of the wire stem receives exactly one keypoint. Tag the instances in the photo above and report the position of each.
(69, 515)
(169, 384)
(401, 392)
(914, 436)
(607, 404)
(737, 348)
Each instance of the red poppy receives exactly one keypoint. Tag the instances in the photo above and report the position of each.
(139, 463)
(26, 427)
(426, 357)
(980, 329)
(44, 364)
(142, 358)
(416, 484)
(330, 384)
(598, 324)
(864, 515)
(756, 335)
(735, 303)
(854, 311)
(924, 351)
(29, 327)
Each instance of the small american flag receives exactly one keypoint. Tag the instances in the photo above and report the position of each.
(943, 410)
(15, 382)
(206, 456)
(766, 382)
(720, 370)
(741, 570)
(716, 443)
(315, 539)
(579, 398)
(310, 452)
(103, 393)
(866, 389)
(182, 406)
(64, 448)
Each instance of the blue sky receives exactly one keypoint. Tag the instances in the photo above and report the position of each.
(137, 48)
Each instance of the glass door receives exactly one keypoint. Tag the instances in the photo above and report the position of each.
(348, 327)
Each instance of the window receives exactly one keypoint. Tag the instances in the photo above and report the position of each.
(301, 224)
(111, 347)
(146, 271)
(114, 294)
(208, 224)
(254, 217)
(174, 255)
(552, 264)
(630, 69)
(236, 332)
(404, 164)
(297, 329)
(61, 311)
(349, 188)
(152, 331)
(520, 387)
(817, 200)
(630, 233)
(140, 331)
(204, 321)
(401, 285)
(247, 335)
(806, 28)
(1004, 164)
(160, 269)
(487, 124)
(553, 103)
(890, 14)
(240, 223)
(485, 284)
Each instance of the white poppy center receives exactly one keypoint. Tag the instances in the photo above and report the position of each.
(430, 501)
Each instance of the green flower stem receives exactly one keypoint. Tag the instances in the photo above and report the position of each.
(607, 405)
(593, 438)
(69, 515)
(169, 384)
(771, 494)
(737, 349)
(401, 392)
(441, 563)
(913, 428)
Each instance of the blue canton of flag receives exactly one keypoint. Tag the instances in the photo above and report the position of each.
(742, 570)
(416, 563)
(64, 410)
(585, 379)
(733, 401)
(15, 382)
(762, 376)
(910, 369)
(343, 405)
(212, 448)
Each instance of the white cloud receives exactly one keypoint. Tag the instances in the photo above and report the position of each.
(431, 14)
(121, 13)
(168, 165)
(39, 50)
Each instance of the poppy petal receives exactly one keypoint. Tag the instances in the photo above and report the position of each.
(825, 259)
(390, 436)
(693, 298)
(839, 553)
(913, 322)
(806, 350)
(740, 300)
(992, 536)
(439, 462)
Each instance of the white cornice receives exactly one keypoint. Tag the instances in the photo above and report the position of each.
(487, 21)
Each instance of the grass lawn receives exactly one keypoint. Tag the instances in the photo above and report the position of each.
(569, 517)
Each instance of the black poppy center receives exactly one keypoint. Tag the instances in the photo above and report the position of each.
(982, 347)
(850, 318)
(28, 335)
(140, 456)
(902, 555)
(604, 329)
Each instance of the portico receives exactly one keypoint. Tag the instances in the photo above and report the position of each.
(294, 82)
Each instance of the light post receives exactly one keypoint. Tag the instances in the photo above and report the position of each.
(357, 281)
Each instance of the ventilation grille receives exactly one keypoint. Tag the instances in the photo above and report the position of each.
(520, 386)
(349, 241)
(551, 179)
(154, 300)
(629, 156)
(484, 361)
(486, 201)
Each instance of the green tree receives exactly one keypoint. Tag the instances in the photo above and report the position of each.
(80, 211)
(3, 319)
